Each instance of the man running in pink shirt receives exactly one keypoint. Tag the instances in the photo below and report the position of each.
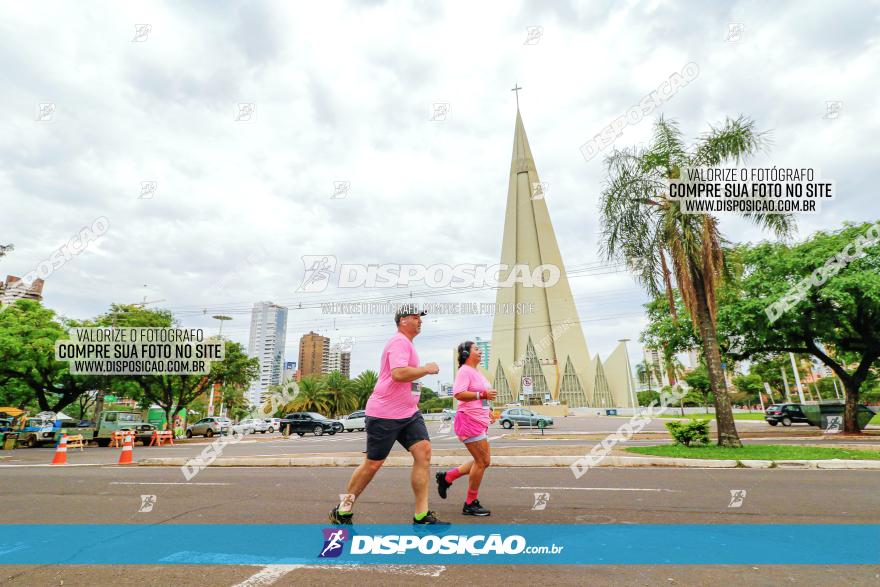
(393, 416)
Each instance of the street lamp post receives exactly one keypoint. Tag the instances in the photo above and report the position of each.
(222, 319)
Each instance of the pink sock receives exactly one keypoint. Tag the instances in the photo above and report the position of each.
(452, 475)
(471, 495)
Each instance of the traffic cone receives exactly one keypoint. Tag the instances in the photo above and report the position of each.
(61, 452)
(125, 457)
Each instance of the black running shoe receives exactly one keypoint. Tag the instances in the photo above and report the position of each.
(430, 519)
(474, 509)
(442, 484)
(339, 518)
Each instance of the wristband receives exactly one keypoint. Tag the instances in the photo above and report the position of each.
(483, 395)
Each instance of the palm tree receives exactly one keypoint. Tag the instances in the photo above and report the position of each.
(643, 226)
(363, 386)
(647, 372)
(343, 398)
(312, 397)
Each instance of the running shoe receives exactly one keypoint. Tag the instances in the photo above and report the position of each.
(442, 484)
(339, 518)
(430, 519)
(474, 509)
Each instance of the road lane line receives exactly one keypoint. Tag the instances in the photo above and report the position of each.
(267, 575)
(604, 489)
(162, 483)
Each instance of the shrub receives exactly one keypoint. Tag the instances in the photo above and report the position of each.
(695, 431)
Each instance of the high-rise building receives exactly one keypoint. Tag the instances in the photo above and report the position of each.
(314, 354)
(656, 367)
(339, 360)
(15, 289)
(546, 346)
(485, 346)
(266, 342)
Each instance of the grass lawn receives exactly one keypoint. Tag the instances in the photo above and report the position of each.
(764, 452)
(674, 414)
(753, 416)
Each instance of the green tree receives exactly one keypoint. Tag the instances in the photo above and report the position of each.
(837, 321)
(642, 226)
(312, 397)
(749, 385)
(700, 386)
(363, 386)
(28, 332)
(343, 399)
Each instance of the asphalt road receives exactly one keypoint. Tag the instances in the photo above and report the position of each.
(574, 431)
(304, 495)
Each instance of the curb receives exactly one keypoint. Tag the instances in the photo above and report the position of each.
(521, 461)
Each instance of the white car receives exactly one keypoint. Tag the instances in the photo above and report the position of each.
(254, 425)
(272, 424)
(242, 428)
(354, 421)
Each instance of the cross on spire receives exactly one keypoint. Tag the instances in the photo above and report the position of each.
(516, 89)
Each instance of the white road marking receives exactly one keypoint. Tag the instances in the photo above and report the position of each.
(604, 489)
(267, 575)
(495, 437)
(162, 483)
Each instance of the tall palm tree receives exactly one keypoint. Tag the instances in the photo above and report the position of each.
(312, 397)
(363, 386)
(343, 398)
(643, 227)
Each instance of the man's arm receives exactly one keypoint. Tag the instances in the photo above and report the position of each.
(407, 374)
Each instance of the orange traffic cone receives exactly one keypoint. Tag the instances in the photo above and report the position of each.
(125, 457)
(61, 452)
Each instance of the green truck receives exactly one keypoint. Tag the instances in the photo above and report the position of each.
(110, 422)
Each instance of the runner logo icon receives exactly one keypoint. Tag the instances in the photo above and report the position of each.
(334, 541)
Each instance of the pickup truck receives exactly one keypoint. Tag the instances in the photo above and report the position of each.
(110, 422)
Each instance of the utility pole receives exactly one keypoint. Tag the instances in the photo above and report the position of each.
(216, 386)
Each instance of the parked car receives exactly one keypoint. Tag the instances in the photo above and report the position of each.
(354, 421)
(254, 425)
(303, 422)
(209, 426)
(272, 424)
(785, 414)
(524, 417)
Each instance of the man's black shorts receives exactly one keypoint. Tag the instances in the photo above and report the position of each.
(383, 432)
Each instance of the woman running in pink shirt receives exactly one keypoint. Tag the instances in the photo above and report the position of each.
(472, 418)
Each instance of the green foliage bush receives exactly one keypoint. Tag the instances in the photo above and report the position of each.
(694, 432)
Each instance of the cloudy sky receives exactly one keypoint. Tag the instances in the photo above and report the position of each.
(345, 92)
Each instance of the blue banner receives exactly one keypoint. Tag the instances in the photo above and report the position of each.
(525, 544)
